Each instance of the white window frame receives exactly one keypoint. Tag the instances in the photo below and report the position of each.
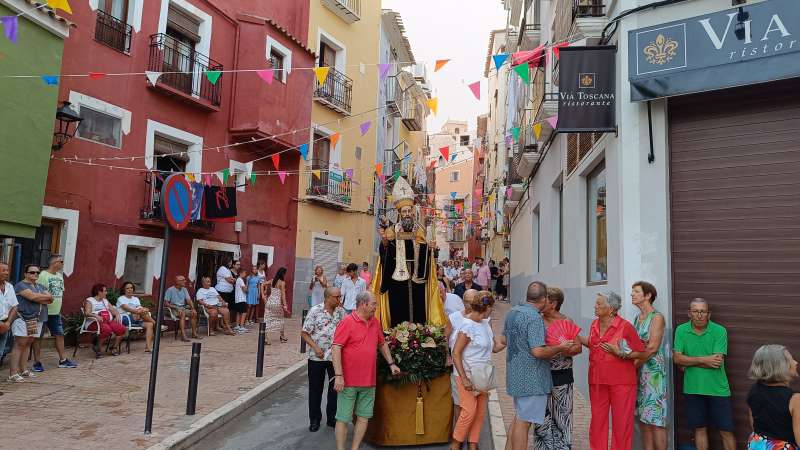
(209, 245)
(341, 50)
(70, 219)
(268, 249)
(273, 44)
(204, 31)
(241, 171)
(135, 8)
(195, 143)
(155, 251)
(79, 99)
(455, 179)
(335, 155)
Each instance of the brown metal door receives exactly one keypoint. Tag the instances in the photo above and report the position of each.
(735, 223)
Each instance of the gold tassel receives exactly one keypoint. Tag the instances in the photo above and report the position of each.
(420, 415)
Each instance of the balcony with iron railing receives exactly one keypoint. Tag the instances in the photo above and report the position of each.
(347, 10)
(588, 8)
(113, 32)
(331, 188)
(456, 235)
(336, 93)
(151, 215)
(412, 113)
(394, 94)
(183, 71)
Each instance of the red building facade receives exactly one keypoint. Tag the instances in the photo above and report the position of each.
(106, 220)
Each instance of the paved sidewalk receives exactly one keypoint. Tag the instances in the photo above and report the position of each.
(581, 413)
(101, 404)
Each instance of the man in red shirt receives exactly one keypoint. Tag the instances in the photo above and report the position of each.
(355, 343)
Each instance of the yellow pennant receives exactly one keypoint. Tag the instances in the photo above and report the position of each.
(491, 198)
(190, 177)
(322, 74)
(316, 173)
(60, 4)
(537, 129)
(433, 104)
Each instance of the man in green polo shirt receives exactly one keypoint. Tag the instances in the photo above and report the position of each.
(700, 349)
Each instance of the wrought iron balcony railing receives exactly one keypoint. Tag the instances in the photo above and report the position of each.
(113, 32)
(588, 8)
(336, 93)
(330, 187)
(184, 69)
(347, 10)
(151, 208)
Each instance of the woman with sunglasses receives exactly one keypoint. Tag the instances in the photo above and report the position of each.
(32, 313)
(106, 317)
(139, 316)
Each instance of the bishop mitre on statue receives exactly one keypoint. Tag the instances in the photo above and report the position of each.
(406, 258)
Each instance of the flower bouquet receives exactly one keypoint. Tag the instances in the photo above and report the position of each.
(420, 351)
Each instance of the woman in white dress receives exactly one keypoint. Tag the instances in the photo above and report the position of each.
(275, 307)
(317, 286)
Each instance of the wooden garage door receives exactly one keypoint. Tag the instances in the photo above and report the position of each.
(735, 222)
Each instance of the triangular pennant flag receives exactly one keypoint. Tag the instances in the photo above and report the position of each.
(213, 76)
(452, 157)
(453, 194)
(10, 27)
(276, 161)
(476, 89)
(365, 127)
(445, 151)
(60, 4)
(396, 175)
(225, 174)
(515, 133)
(282, 175)
(189, 177)
(349, 173)
(316, 173)
(266, 74)
(382, 177)
(553, 121)
(369, 199)
(219, 176)
(557, 48)
(207, 179)
(537, 129)
(96, 75)
(440, 63)
(334, 138)
(252, 179)
(383, 70)
(303, 149)
(509, 192)
(433, 104)
(50, 80)
(499, 60)
(322, 74)
(152, 77)
(378, 167)
(523, 70)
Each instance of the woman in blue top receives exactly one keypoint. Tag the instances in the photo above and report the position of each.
(253, 293)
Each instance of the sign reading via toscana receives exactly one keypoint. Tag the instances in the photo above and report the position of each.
(746, 45)
(587, 89)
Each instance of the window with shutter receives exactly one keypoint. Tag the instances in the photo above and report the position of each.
(183, 24)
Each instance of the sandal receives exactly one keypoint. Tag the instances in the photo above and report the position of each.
(283, 339)
(197, 337)
(27, 374)
(147, 350)
(16, 378)
(115, 352)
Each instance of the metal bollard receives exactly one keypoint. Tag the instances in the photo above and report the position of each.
(262, 333)
(303, 341)
(194, 374)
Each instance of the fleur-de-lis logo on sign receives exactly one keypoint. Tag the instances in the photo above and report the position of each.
(587, 80)
(661, 51)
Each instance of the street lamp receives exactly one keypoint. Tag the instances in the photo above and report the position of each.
(65, 116)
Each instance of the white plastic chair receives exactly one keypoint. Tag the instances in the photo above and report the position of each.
(87, 321)
(127, 320)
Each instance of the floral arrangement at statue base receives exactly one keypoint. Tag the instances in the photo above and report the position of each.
(415, 407)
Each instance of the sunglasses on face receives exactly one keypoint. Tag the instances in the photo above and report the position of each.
(33, 272)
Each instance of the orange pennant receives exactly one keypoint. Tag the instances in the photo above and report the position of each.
(276, 160)
(334, 138)
(440, 63)
(379, 167)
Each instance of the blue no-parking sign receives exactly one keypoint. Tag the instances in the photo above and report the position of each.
(176, 201)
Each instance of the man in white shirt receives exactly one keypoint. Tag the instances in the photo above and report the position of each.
(209, 298)
(225, 282)
(339, 279)
(351, 287)
(8, 307)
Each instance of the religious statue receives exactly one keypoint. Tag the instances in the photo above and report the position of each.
(406, 282)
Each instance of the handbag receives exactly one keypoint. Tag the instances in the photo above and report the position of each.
(482, 376)
(32, 325)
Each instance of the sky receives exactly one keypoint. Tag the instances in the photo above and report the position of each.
(457, 30)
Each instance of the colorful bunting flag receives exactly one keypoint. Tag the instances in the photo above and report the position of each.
(334, 138)
(266, 74)
(453, 194)
(440, 63)
(152, 77)
(537, 129)
(303, 149)
(378, 167)
(369, 199)
(322, 74)
(282, 175)
(453, 157)
(207, 179)
(509, 191)
(10, 27)
(523, 70)
(317, 173)
(96, 75)
(213, 76)
(515, 133)
(557, 48)
(396, 175)
(383, 70)
(349, 173)
(433, 104)
(50, 80)
(60, 4)
(445, 151)
(365, 127)
(276, 161)
(252, 179)
(499, 60)
(382, 177)
(553, 121)
(476, 89)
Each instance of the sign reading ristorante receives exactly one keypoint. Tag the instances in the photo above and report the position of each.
(587, 89)
(746, 45)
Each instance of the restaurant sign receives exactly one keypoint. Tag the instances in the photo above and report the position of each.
(587, 89)
(745, 45)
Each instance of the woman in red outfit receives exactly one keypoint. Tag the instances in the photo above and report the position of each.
(613, 346)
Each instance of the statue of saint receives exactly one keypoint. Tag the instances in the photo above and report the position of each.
(407, 266)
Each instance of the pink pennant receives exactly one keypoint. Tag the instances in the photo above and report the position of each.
(476, 89)
(282, 175)
(267, 75)
(369, 199)
(207, 179)
(349, 173)
(383, 70)
(382, 177)
(553, 121)
(509, 192)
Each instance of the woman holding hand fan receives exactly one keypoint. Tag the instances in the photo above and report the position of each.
(555, 433)
(651, 399)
